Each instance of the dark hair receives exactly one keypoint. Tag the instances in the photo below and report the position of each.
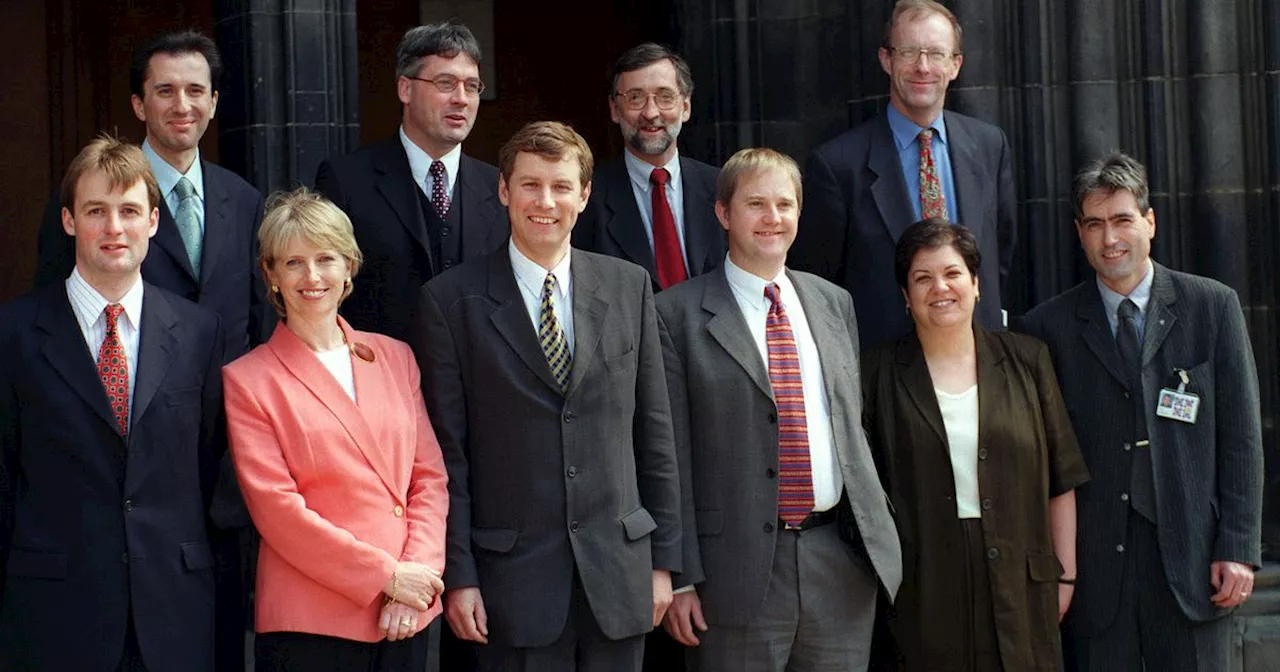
(551, 140)
(644, 55)
(928, 234)
(446, 40)
(174, 44)
(1114, 172)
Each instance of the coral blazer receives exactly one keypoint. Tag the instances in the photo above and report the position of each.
(339, 489)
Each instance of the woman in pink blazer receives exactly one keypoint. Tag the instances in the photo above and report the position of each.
(339, 465)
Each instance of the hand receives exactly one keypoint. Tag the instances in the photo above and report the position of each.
(398, 621)
(464, 609)
(684, 615)
(1065, 593)
(1233, 581)
(415, 585)
(661, 594)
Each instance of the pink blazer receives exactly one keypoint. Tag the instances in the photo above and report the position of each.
(339, 489)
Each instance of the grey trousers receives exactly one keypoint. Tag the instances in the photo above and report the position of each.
(817, 615)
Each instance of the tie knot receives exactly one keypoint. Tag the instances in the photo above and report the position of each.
(660, 176)
(184, 188)
(774, 294)
(437, 169)
(926, 137)
(549, 284)
(113, 312)
(1128, 310)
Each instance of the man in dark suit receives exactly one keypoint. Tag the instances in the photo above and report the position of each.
(1170, 526)
(653, 207)
(762, 369)
(418, 204)
(206, 243)
(866, 186)
(542, 373)
(110, 424)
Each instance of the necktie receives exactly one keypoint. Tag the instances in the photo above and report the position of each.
(795, 473)
(188, 223)
(551, 336)
(933, 205)
(666, 244)
(113, 368)
(1141, 483)
(439, 190)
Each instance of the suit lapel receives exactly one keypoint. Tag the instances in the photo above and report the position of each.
(589, 312)
(156, 345)
(729, 328)
(915, 378)
(1160, 316)
(511, 318)
(890, 189)
(216, 202)
(624, 224)
(168, 239)
(66, 352)
(479, 232)
(967, 172)
(1096, 332)
(303, 364)
(394, 181)
(827, 333)
(699, 199)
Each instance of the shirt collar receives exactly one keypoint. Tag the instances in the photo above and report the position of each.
(905, 130)
(167, 176)
(532, 275)
(420, 162)
(639, 171)
(1140, 294)
(92, 299)
(750, 287)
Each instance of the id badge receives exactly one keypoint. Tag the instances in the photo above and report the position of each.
(1179, 404)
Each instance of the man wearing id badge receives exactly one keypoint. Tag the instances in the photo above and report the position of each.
(1159, 378)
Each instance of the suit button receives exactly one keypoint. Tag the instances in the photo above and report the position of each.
(124, 558)
(768, 527)
(1126, 395)
(993, 553)
(1128, 447)
(399, 510)
(444, 231)
(571, 472)
(982, 453)
(568, 416)
(771, 472)
(1119, 548)
(1124, 496)
(128, 505)
(773, 418)
(448, 263)
(573, 526)
(986, 503)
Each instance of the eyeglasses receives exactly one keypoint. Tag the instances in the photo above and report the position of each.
(635, 99)
(912, 54)
(449, 83)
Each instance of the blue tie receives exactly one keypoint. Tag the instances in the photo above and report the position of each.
(188, 223)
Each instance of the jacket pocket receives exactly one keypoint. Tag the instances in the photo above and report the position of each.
(637, 524)
(1043, 568)
(494, 539)
(710, 522)
(37, 564)
(187, 397)
(197, 556)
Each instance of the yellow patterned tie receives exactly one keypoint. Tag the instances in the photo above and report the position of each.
(552, 338)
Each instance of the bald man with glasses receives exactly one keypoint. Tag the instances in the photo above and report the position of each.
(652, 206)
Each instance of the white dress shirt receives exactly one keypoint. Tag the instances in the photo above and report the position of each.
(90, 310)
(642, 188)
(530, 276)
(167, 178)
(338, 361)
(748, 290)
(420, 166)
(960, 420)
(1140, 296)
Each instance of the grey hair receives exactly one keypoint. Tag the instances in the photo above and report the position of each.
(644, 55)
(447, 39)
(1114, 172)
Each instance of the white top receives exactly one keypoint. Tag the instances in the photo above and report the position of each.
(960, 418)
(529, 278)
(420, 165)
(642, 189)
(338, 361)
(90, 309)
(748, 290)
(167, 179)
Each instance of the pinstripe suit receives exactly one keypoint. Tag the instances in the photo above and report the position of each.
(1207, 476)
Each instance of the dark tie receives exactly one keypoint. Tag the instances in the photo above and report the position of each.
(551, 337)
(188, 223)
(439, 192)
(113, 368)
(666, 244)
(795, 472)
(933, 205)
(1141, 483)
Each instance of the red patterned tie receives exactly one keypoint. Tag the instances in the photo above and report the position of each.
(439, 194)
(666, 244)
(795, 473)
(933, 203)
(113, 368)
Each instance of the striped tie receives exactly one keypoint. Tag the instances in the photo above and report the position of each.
(795, 473)
(551, 336)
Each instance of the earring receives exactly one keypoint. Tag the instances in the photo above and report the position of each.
(275, 289)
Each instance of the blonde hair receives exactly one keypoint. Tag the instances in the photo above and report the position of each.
(305, 214)
(751, 161)
(123, 164)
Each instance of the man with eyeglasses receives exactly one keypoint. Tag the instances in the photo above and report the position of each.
(866, 186)
(418, 204)
(653, 207)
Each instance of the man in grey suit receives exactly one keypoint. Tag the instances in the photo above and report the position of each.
(542, 372)
(867, 185)
(762, 369)
(1159, 378)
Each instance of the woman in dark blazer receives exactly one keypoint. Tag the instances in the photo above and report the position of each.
(980, 463)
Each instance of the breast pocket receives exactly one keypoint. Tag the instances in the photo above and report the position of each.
(623, 360)
(181, 398)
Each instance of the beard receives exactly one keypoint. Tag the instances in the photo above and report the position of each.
(656, 146)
